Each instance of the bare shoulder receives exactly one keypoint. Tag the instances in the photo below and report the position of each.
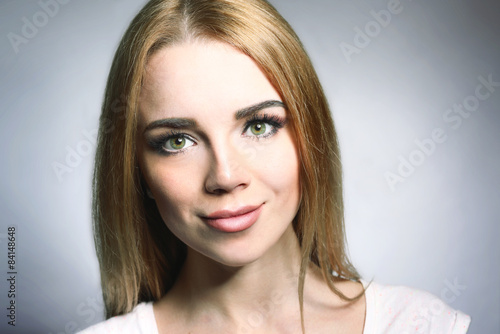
(349, 288)
(319, 289)
(333, 313)
(166, 312)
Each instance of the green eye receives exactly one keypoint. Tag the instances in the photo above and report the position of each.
(263, 126)
(258, 128)
(177, 143)
(171, 143)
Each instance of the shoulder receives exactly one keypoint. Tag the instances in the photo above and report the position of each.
(139, 320)
(402, 310)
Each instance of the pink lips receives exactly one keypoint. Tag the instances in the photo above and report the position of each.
(234, 221)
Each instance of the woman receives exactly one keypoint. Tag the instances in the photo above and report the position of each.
(217, 188)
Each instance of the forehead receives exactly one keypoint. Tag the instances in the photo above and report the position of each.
(201, 76)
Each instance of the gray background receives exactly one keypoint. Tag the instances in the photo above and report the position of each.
(438, 226)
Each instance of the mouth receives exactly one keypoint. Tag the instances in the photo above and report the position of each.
(234, 221)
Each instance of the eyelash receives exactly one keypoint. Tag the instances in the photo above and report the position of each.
(276, 122)
(158, 143)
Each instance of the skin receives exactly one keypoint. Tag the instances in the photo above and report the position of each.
(231, 282)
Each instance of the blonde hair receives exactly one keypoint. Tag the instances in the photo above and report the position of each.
(139, 257)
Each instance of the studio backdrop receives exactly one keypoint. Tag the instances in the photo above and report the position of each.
(414, 88)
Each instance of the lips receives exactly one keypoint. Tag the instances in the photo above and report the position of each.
(233, 221)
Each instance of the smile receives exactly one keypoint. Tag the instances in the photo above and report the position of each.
(234, 221)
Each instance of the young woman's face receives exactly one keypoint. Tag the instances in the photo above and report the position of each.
(217, 151)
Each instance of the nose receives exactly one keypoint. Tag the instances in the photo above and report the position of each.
(228, 170)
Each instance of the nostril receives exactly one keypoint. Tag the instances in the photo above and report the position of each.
(222, 183)
(228, 170)
(218, 191)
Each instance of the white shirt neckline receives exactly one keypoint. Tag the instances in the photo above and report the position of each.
(368, 327)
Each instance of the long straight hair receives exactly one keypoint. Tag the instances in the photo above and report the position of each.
(139, 257)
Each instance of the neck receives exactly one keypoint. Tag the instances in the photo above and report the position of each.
(233, 293)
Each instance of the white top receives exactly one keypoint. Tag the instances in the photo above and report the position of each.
(401, 310)
(389, 310)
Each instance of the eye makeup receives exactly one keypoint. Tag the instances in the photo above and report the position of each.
(276, 123)
(164, 143)
(258, 126)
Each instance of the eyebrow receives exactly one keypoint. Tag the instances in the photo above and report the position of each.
(250, 111)
(175, 123)
(182, 123)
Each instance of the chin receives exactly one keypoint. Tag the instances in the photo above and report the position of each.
(251, 248)
(234, 253)
(237, 257)
(240, 261)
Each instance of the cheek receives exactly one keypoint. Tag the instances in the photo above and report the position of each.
(280, 166)
(174, 194)
(174, 187)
